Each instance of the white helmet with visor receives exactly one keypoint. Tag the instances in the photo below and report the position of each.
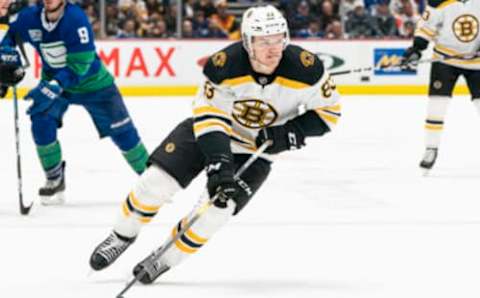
(261, 21)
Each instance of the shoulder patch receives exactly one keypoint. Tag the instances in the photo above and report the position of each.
(219, 59)
(307, 58)
(300, 65)
(228, 63)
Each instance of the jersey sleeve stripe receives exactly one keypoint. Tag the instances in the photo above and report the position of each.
(425, 32)
(282, 81)
(209, 110)
(327, 116)
(211, 125)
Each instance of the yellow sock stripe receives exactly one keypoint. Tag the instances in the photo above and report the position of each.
(193, 237)
(180, 245)
(140, 206)
(434, 126)
(327, 117)
(125, 210)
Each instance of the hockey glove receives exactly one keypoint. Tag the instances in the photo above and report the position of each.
(45, 96)
(11, 70)
(284, 137)
(3, 91)
(410, 58)
(220, 178)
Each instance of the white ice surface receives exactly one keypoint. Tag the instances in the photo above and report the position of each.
(350, 216)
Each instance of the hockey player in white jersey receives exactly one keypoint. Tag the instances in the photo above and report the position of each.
(252, 93)
(453, 27)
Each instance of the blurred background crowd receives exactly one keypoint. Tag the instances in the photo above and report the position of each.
(328, 19)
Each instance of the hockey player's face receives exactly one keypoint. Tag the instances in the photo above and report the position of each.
(4, 4)
(52, 5)
(268, 49)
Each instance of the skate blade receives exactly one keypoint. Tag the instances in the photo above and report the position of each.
(425, 172)
(57, 199)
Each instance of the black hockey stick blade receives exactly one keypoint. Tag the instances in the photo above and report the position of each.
(25, 210)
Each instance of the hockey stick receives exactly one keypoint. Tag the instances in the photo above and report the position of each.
(160, 251)
(431, 60)
(24, 210)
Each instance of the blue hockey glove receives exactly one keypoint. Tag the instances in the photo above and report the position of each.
(45, 97)
(11, 70)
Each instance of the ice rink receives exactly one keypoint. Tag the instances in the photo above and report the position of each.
(349, 216)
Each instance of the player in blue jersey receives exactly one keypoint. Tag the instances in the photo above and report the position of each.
(72, 73)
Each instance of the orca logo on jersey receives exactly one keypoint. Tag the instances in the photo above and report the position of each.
(254, 113)
(465, 28)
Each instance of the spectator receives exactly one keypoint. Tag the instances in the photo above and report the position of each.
(359, 24)
(128, 29)
(327, 14)
(384, 24)
(225, 21)
(334, 30)
(408, 14)
(200, 25)
(312, 31)
(158, 30)
(206, 6)
(187, 29)
(302, 17)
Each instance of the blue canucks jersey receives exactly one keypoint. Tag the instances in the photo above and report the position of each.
(66, 47)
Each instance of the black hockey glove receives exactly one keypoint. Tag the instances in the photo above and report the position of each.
(3, 91)
(11, 70)
(284, 137)
(410, 58)
(220, 173)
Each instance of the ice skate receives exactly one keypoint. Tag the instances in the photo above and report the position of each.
(53, 192)
(109, 250)
(152, 268)
(428, 160)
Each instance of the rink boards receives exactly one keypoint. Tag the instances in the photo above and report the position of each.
(162, 67)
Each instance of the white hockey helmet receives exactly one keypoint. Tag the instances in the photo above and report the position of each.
(261, 21)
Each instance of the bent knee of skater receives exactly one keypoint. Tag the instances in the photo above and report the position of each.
(155, 186)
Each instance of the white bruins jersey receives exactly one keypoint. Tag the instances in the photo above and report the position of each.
(454, 27)
(239, 102)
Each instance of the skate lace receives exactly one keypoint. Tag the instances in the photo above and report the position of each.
(429, 155)
(52, 183)
(112, 247)
(152, 265)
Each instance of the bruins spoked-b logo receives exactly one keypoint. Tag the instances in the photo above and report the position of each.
(253, 113)
(170, 147)
(465, 28)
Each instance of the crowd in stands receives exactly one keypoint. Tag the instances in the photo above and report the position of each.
(327, 19)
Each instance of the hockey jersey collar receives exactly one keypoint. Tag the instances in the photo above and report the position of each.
(50, 26)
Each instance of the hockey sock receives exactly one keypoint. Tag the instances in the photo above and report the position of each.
(154, 188)
(137, 158)
(195, 237)
(476, 103)
(50, 156)
(436, 110)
